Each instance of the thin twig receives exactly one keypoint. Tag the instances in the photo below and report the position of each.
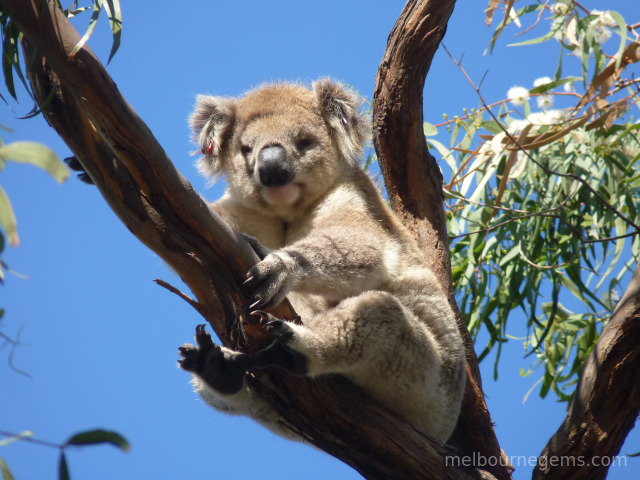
(543, 213)
(545, 169)
(13, 344)
(182, 295)
(26, 436)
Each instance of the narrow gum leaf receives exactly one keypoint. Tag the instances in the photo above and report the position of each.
(93, 437)
(36, 154)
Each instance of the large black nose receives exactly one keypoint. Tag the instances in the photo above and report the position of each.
(273, 167)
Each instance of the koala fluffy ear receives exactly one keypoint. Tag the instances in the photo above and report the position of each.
(340, 109)
(211, 122)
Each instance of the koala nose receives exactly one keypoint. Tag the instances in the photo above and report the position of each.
(273, 167)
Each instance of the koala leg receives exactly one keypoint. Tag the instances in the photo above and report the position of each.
(370, 332)
(382, 346)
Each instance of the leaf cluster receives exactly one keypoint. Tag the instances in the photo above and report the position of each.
(11, 37)
(542, 205)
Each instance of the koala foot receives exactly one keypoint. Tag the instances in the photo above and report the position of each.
(75, 165)
(221, 368)
(277, 328)
(278, 354)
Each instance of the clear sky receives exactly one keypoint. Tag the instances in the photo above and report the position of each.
(100, 338)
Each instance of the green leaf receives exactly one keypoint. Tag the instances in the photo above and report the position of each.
(534, 41)
(444, 151)
(93, 437)
(10, 48)
(550, 86)
(492, 126)
(429, 129)
(6, 473)
(7, 65)
(8, 219)
(63, 468)
(35, 154)
(623, 35)
(97, 6)
(508, 20)
(115, 22)
(513, 253)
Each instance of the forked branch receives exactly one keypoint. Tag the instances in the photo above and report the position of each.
(141, 185)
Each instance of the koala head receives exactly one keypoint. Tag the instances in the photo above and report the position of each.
(282, 145)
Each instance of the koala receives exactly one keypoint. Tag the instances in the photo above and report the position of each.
(371, 310)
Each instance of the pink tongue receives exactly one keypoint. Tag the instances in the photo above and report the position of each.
(284, 195)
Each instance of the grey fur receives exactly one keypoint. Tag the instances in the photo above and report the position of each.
(371, 309)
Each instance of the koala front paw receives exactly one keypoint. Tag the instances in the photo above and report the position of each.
(278, 354)
(221, 368)
(268, 281)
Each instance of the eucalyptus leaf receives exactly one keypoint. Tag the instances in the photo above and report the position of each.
(429, 129)
(8, 220)
(63, 468)
(98, 436)
(6, 472)
(35, 154)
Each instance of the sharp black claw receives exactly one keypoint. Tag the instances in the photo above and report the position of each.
(85, 178)
(273, 324)
(259, 313)
(74, 164)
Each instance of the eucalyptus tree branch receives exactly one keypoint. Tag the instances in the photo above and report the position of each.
(137, 179)
(414, 185)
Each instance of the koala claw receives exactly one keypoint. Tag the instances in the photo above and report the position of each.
(268, 282)
(279, 329)
(74, 164)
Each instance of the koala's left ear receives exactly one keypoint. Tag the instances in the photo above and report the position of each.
(340, 109)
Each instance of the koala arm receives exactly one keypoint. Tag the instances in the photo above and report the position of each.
(336, 260)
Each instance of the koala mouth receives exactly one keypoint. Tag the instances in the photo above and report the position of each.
(284, 195)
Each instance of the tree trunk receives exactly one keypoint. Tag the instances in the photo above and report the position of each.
(414, 185)
(137, 179)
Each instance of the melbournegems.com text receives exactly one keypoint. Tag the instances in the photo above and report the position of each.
(479, 460)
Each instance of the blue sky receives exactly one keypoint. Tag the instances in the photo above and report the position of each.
(100, 338)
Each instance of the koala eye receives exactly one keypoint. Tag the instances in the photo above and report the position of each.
(245, 149)
(304, 143)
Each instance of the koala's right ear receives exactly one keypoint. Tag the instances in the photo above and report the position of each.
(212, 123)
